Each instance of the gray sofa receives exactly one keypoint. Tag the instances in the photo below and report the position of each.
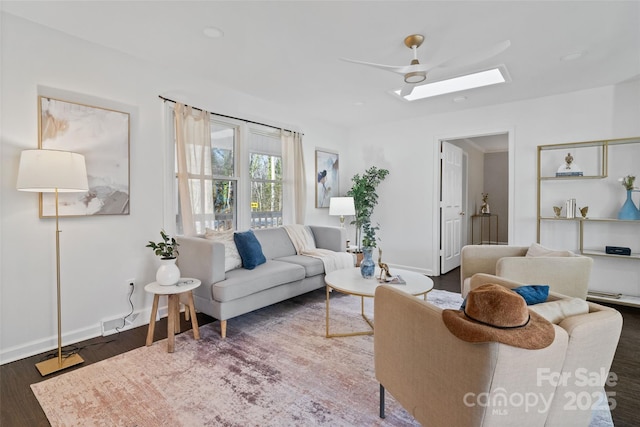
(239, 291)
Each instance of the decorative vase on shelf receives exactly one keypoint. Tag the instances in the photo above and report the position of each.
(168, 274)
(367, 266)
(628, 209)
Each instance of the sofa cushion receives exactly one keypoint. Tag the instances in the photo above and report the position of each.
(250, 249)
(537, 249)
(312, 266)
(275, 242)
(241, 282)
(231, 256)
(557, 311)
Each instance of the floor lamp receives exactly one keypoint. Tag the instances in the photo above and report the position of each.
(51, 171)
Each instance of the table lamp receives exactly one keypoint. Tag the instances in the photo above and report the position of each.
(51, 171)
(341, 206)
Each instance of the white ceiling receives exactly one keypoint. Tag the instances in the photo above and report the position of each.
(288, 52)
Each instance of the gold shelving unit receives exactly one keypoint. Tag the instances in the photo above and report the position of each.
(601, 171)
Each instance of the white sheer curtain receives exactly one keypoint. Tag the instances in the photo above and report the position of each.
(193, 146)
(294, 188)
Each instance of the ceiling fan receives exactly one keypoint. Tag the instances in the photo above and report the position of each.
(416, 73)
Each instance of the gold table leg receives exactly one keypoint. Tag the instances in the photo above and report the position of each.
(347, 334)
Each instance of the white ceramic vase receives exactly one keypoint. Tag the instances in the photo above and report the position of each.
(168, 274)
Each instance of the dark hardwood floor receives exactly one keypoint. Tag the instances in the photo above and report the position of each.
(19, 407)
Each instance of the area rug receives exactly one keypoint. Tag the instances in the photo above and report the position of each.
(275, 368)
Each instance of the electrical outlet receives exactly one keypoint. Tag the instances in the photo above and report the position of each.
(130, 283)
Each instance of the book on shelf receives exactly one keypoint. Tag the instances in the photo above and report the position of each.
(574, 173)
(393, 280)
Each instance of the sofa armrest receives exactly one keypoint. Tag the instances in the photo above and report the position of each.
(566, 275)
(332, 238)
(593, 339)
(201, 259)
(435, 376)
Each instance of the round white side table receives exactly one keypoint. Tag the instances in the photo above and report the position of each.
(185, 286)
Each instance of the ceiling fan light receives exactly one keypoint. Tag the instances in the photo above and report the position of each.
(415, 77)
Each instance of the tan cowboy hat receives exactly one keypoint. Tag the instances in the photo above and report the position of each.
(495, 313)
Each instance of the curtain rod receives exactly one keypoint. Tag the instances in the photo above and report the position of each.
(231, 117)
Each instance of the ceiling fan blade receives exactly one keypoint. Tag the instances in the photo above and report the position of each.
(472, 58)
(400, 69)
(406, 90)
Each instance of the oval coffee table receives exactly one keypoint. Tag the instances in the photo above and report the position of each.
(350, 281)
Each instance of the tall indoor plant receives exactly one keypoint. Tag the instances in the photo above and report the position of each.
(365, 199)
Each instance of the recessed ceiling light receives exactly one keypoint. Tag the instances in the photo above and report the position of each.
(358, 104)
(572, 56)
(213, 32)
(459, 99)
(457, 84)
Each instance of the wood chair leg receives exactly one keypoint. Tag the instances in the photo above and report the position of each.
(223, 328)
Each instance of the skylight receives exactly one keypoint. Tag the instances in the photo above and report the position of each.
(457, 84)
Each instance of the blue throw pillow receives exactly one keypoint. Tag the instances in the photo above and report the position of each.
(533, 294)
(249, 249)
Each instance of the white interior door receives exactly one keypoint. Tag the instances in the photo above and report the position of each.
(451, 207)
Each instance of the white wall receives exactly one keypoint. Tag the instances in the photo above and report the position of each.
(99, 254)
(408, 211)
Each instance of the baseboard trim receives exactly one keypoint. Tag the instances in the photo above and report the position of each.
(44, 345)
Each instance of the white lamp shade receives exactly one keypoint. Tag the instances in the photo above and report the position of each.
(45, 171)
(342, 206)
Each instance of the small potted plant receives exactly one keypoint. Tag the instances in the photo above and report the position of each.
(168, 274)
(167, 249)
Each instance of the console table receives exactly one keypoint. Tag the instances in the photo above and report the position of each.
(482, 219)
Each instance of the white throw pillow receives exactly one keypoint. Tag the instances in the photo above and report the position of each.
(231, 256)
(538, 250)
(556, 311)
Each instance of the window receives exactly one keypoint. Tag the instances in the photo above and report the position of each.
(237, 181)
(265, 174)
(225, 184)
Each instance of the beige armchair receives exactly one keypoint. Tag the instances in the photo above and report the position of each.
(442, 380)
(567, 275)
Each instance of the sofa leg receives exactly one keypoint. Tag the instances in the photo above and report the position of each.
(381, 401)
(223, 328)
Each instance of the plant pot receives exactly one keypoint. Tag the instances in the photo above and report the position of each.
(367, 266)
(168, 274)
